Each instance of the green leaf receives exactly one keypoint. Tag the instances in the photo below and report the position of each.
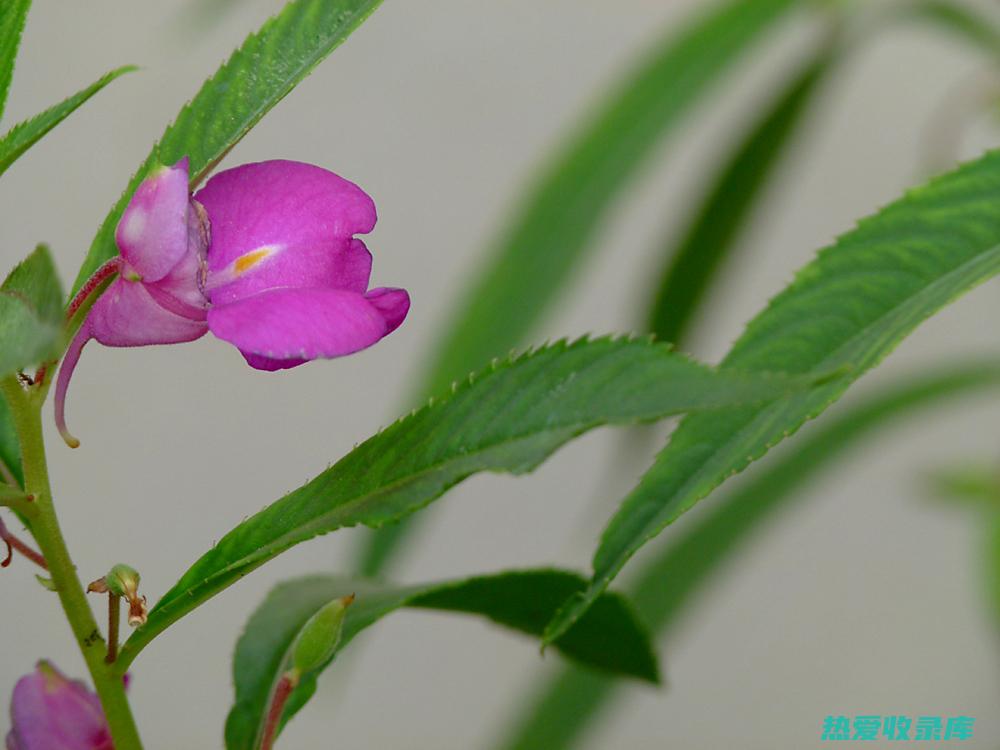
(508, 419)
(268, 65)
(31, 325)
(10, 447)
(547, 238)
(12, 15)
(609, 638)
(975, 485)
(960, 20)
(735, 193)
(558, 711)
(849, 307)
(25, 134)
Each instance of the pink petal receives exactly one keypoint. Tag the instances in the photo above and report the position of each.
(266, 363)
(50, 712)
(298, 324)
(127, 314)
(392, 303)
(334, 263)
(153, 232)
(281, 203)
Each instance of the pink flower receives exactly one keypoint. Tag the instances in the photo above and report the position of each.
(264, 256)
(50, 712)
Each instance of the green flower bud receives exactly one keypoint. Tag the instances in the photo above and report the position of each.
(320, 636)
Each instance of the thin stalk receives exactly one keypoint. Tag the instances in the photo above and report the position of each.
(114, 617)
(25, 409)
(282, 693)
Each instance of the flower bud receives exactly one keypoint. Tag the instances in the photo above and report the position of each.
(123, 580)
(320, 636)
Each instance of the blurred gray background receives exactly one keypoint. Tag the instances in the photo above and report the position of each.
(868, 597)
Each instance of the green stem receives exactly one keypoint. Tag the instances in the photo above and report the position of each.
(26, 410)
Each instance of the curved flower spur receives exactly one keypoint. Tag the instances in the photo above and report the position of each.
(264, 256)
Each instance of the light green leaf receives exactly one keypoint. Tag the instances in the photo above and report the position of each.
(258, 75)
(508, 419)
(546, 240)
(711, 238)
(970, 26)
(557, 713)
(25, 134)
(12, 15)
(849, 307)
(609, 638)
(31, 329)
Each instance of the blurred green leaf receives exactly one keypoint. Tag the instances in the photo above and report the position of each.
(546, 240)
(25, 134)
(736, 191)
(509, 418)
(609, 638)
(30, 313)
(850, 307)
(556, 714)
(978, 485)
(258, 75)
(10, 447)
(12, 15)
(955, 18)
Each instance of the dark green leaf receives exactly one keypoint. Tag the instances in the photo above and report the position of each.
(25, 134)
(547, 238)
(12, 15)
(849, 307)
(558, 712)
(609, 638)
(508, 419)
(31, 327)
(736, 191)
(258, 75)
(10, 447)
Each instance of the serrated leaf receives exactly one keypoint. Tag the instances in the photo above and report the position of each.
(25, 134)
(850, 307)
(711, 238)
(31, 328)
(609, 638)
(558, 711)
(12, 16)
(508, 419)
(546, 240)
(266, 67)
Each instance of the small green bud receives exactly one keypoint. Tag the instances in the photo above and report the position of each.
(320, 636)
(123, 580)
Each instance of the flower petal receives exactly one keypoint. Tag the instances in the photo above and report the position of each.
(50, 712)
(127, 314)
(392, 303)
(283, 204)
(299, 324)
(153, 232)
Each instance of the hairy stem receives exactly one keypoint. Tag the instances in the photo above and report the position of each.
(25, 408)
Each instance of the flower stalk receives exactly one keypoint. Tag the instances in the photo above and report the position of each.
(25, 407)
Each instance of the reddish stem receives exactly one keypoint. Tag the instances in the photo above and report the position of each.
(114, 616)
(282, 692)
(13, 543)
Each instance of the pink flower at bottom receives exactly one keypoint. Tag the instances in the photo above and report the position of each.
(50, 712)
